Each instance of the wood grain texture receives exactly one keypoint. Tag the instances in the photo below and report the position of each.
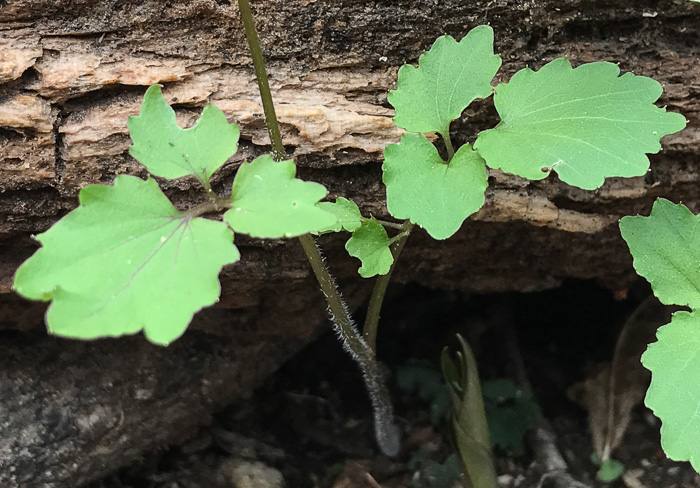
(71, 71)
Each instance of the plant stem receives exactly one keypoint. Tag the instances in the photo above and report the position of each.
(206, 184)
(448, 144)
(214, 204)
(387, 433)
(392, 225)
(263, 84)
(375, 303)
(397, 238)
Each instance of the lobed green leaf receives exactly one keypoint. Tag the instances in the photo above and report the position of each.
(267, 201)
(124, 261)
(587, 124)
(422, 187)
(349, 217)
(674, 393)
(449, 77)
(370, 244)
(169, 151)
(666, 251)
(510, 412)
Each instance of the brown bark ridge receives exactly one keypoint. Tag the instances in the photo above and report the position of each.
(71, 71)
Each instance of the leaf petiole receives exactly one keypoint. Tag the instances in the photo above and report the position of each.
(206, 184)
(399, 236)
(375, 302)
(391, 225)
(448, 144)
(214, 204)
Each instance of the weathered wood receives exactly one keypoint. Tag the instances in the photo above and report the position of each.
(72, 411)
(71, 71)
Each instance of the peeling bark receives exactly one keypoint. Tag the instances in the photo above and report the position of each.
(72, 71)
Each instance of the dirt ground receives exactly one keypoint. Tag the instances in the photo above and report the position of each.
(310, 425)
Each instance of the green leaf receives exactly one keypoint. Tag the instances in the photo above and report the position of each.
(510, 411)
(420, 186)
(587, 124)
(169, 151)
(449, 77)
(126, 260)
(370, 244)
(428, 382)
(429, 473)
(349, 217)
(610, 470)
(674, 393)
(666, 251)
(269, 202)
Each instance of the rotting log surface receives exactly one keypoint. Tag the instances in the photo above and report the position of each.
(71, 71)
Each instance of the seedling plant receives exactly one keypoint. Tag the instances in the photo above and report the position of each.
(126, 260)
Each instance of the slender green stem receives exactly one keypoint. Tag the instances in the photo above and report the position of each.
(206, 184)
(263, 84)
(218, 201)
(336, 305)
(448, 144)
(375, 303)
(398, 237)
(392, 225)
(214, 204)
(387, 433)
(335, 302)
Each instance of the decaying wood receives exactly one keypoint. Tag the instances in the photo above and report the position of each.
(71, 71)
(73, 410)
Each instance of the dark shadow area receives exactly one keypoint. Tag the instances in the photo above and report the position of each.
(311, 421)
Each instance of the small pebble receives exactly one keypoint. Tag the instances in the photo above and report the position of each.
(251, 474)
(505, 481)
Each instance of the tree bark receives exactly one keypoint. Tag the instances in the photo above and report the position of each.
(71, 71)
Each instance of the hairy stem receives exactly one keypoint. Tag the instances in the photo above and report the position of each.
(387, 433)
(375, 302)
